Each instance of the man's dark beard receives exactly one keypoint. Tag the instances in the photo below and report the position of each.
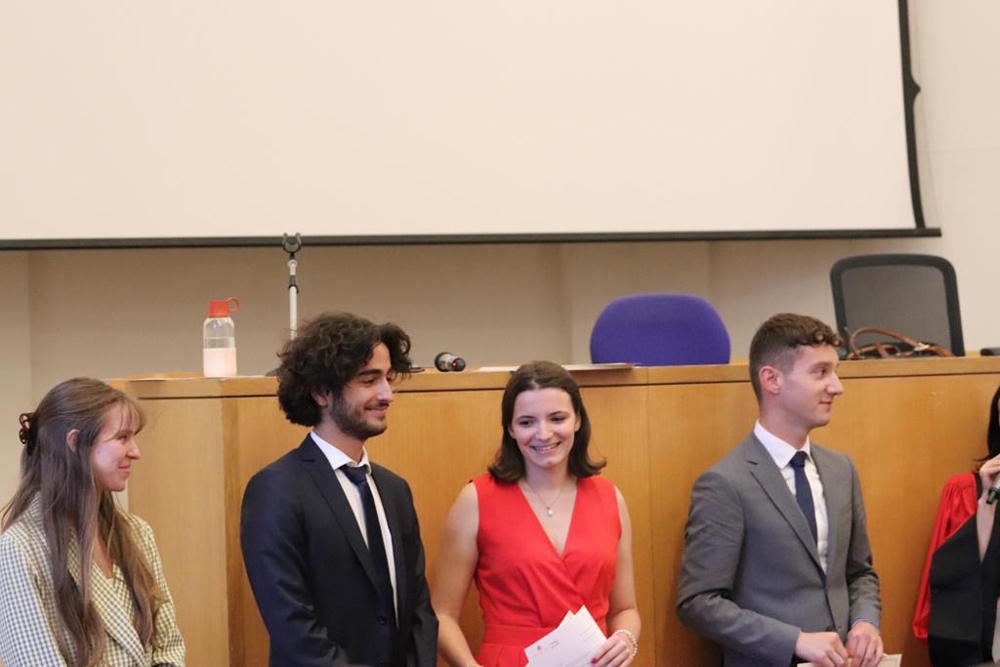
(349, 424)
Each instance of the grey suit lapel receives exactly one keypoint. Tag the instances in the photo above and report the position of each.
(767, 474)
(837, 489)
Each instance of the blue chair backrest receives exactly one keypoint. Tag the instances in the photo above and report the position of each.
(660, 330)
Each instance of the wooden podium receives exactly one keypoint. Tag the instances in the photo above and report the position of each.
(909, 425)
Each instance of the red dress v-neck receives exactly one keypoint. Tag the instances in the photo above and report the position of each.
(525, 587)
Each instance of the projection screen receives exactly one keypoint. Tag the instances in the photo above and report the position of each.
(207, 122)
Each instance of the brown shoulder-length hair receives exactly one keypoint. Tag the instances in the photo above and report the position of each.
(508, 465)
(74, 510)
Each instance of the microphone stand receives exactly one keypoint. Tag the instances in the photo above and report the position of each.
(292, 245)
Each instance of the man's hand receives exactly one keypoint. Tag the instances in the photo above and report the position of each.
(822, 648)
(864, 645)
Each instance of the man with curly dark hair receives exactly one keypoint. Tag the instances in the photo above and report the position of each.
(330, 541)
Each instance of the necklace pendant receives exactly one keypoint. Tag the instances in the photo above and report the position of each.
(548, 510)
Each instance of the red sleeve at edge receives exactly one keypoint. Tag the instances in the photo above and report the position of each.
(958, 503)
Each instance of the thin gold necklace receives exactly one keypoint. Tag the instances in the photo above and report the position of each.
(548, 506)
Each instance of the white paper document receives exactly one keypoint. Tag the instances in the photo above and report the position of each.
(572, 644)
(894, 660)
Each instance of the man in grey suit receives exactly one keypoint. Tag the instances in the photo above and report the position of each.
(777, 567)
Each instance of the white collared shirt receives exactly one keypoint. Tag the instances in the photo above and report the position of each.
(782, 453)
(339, 459)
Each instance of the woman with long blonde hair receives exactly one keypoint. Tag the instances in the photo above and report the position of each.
(80, 579)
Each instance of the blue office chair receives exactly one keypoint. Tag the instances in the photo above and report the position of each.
(659, 330)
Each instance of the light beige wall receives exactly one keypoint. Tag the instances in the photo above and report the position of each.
(15, 363)
(113, 313)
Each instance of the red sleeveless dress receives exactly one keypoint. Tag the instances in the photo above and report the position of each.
(525, 588)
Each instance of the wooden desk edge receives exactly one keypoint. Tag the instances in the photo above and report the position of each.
(428, 381)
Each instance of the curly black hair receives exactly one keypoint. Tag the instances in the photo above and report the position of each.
(327, 352)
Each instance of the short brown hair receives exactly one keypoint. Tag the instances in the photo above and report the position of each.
(326, 354)
(508, 466)
(778, 339)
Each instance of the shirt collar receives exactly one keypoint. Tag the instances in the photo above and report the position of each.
(336, 457)
(780, 451)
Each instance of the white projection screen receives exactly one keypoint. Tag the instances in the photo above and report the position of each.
(221, 122)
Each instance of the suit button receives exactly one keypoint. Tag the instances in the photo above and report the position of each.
(382, 620)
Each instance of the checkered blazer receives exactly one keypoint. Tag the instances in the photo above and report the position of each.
(31, 634)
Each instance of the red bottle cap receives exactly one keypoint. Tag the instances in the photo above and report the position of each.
(223, 307)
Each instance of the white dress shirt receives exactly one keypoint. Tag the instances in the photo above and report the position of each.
(782, 453)
(339, 459)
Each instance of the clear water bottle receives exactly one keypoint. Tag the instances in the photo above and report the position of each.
(218, 355)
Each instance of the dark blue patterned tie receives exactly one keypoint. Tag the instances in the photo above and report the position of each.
(803, 492)
(376, 546)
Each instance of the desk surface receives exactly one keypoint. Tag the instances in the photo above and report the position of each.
(433, 380)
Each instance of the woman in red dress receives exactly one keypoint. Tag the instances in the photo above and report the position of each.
(541, 534)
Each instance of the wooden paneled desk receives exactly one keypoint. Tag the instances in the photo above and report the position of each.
(909, 425)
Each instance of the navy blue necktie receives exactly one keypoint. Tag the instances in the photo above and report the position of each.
(376, 545)
(803, 493)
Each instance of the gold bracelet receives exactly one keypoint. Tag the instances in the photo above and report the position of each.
(630, 636)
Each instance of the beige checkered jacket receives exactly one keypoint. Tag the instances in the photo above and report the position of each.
(31, 634)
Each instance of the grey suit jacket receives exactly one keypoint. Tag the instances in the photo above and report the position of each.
(751, 577)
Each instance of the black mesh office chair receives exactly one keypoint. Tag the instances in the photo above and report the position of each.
(916, 295)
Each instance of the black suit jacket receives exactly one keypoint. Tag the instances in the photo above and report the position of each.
(313, 577)
(964, 596)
